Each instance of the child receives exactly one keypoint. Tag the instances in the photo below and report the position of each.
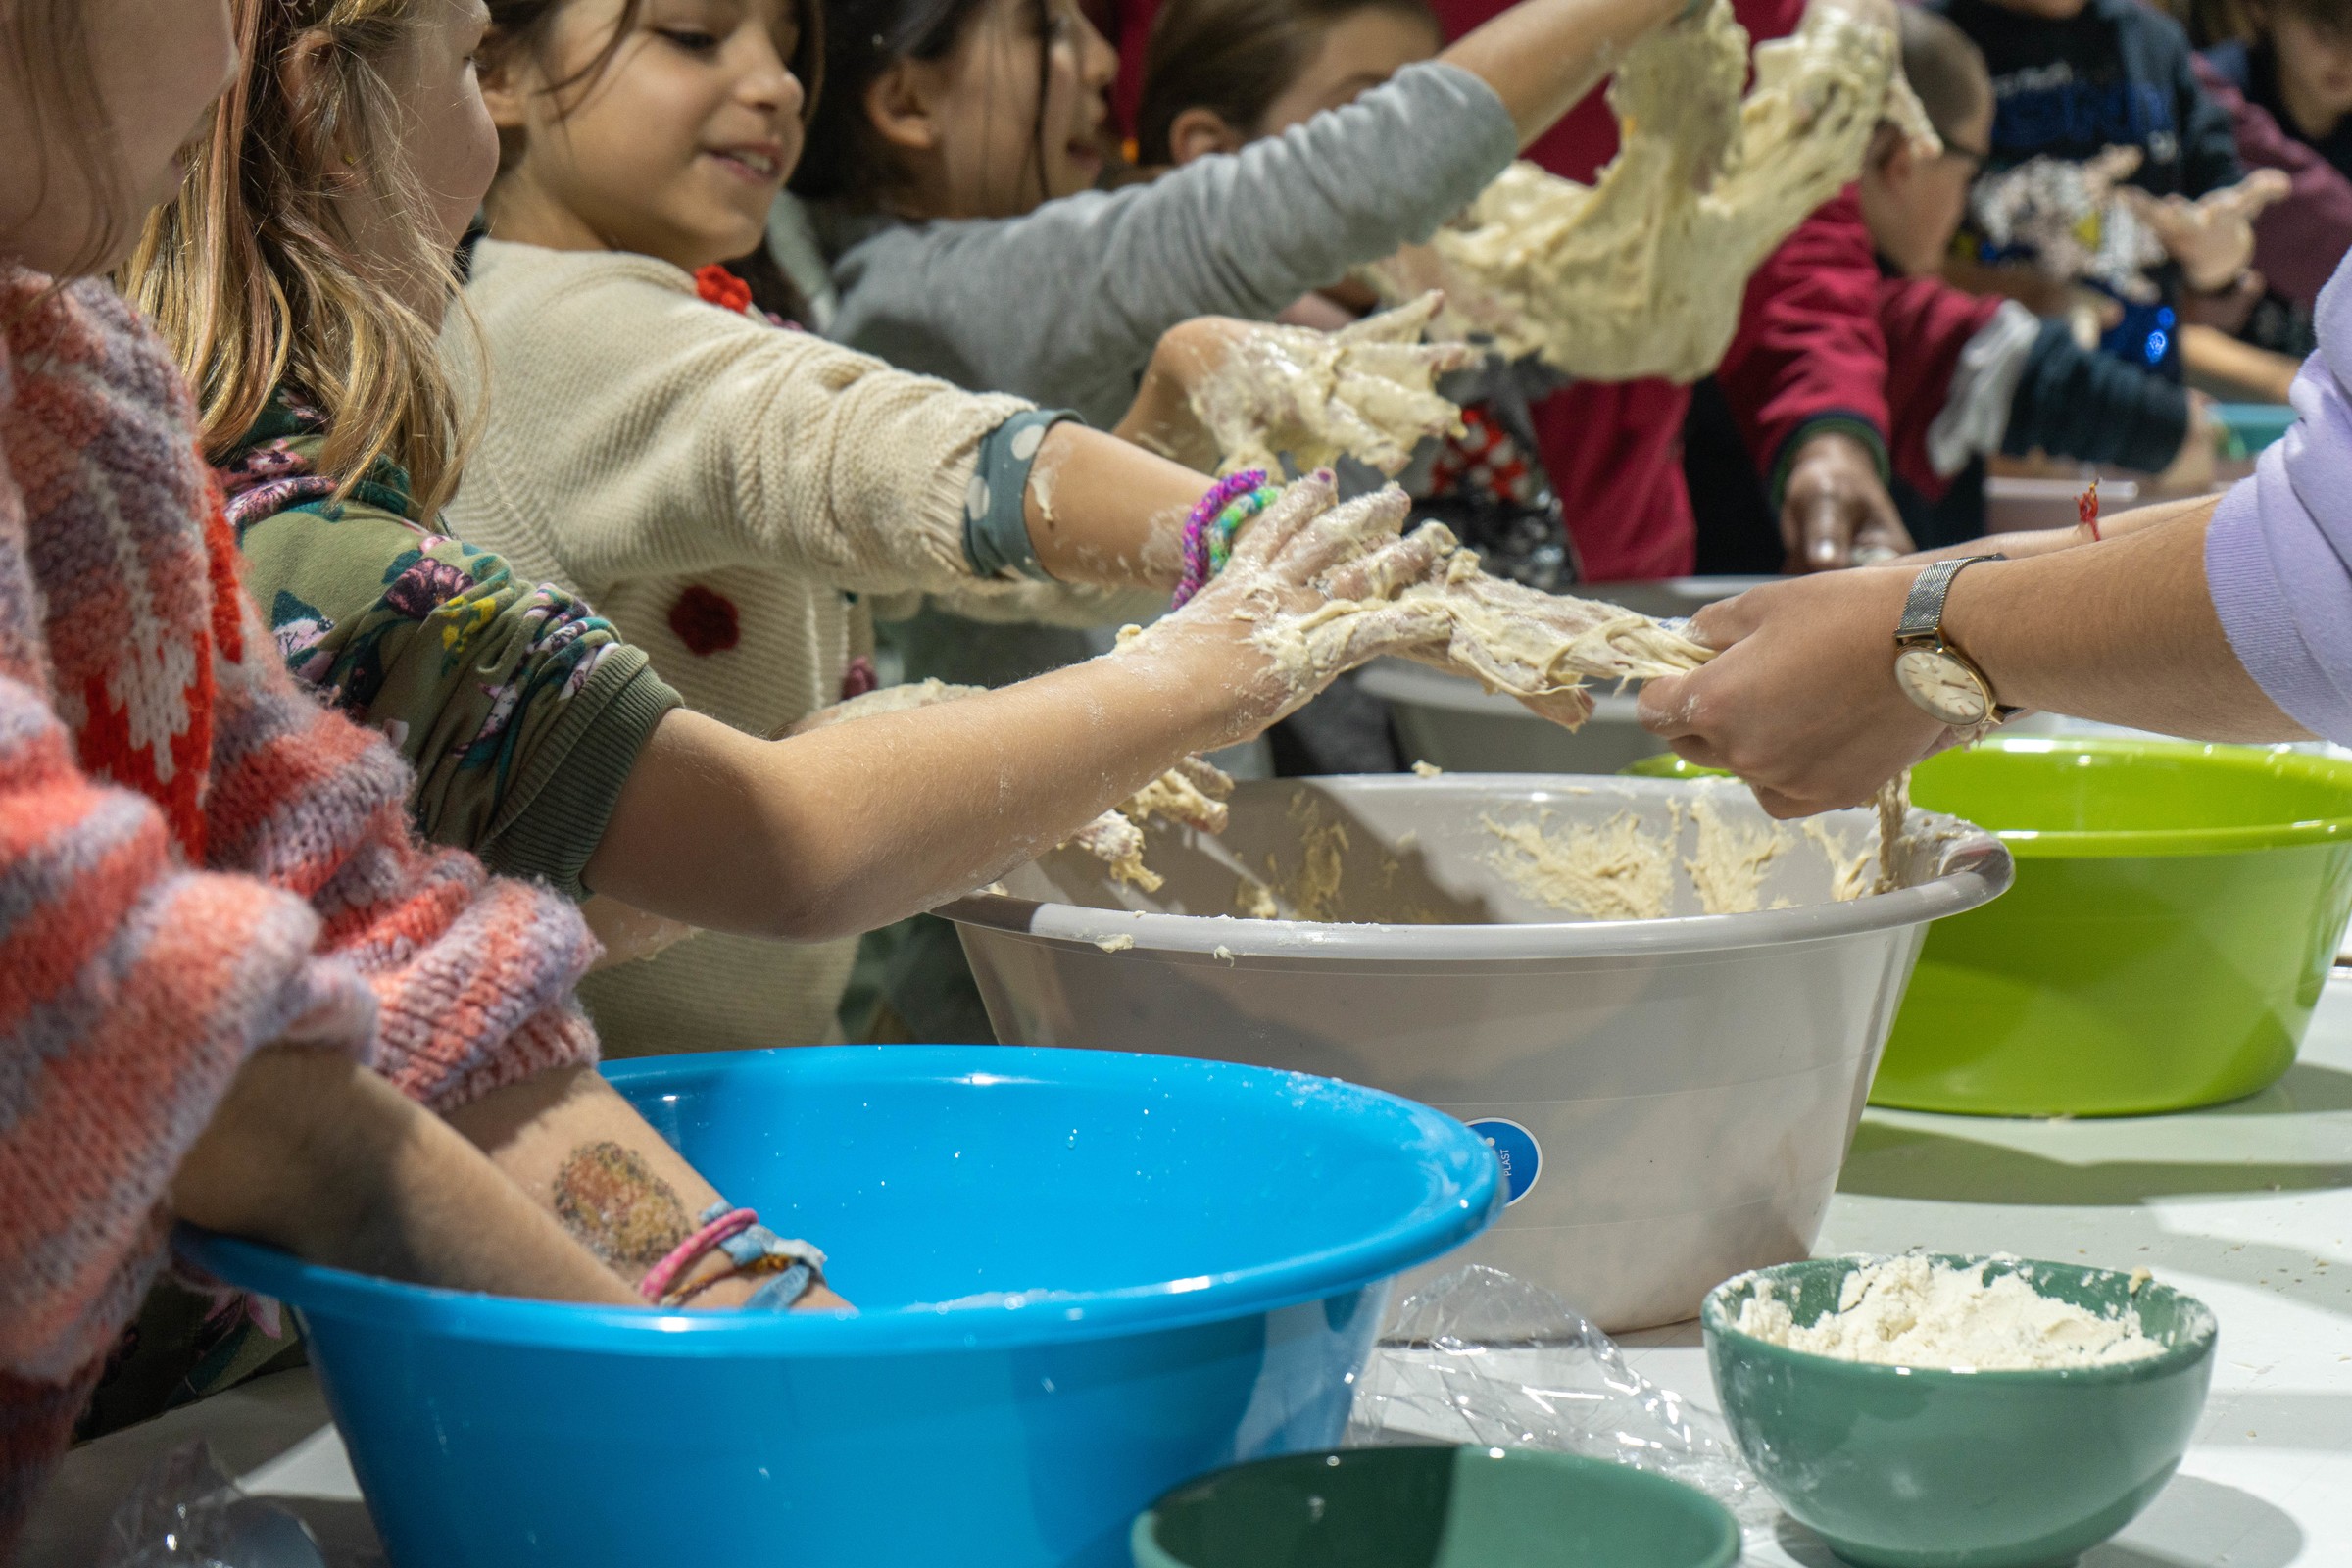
(1969, 375)
(2071, 78)
(542, 737)
(951, 163)
(1222, 73)
(2287, 91)
(223, 921)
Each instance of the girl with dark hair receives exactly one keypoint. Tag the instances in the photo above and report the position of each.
(952, 158)
(1220, 73)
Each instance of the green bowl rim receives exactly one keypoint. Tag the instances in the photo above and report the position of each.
(1715, 1320)
(2036, 844)
(1143, 1535)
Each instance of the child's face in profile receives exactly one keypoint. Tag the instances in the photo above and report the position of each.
(158, 65)
(1355, 54)
(677, 148)
(1913, 205)
(994, 152)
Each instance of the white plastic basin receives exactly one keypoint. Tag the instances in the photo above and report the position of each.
(1679, 1092)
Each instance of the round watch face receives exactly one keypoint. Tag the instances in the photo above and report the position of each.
(1942, 685)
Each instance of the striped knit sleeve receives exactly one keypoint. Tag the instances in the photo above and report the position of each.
(131, 990)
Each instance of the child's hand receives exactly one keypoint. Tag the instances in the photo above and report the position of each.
(1367, 390)
(1311, 590)
(2213, 236)
(1834, 506)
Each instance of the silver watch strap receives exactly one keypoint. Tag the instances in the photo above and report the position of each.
(1923, 608)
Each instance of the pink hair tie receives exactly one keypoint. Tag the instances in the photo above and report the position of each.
(660, 1279)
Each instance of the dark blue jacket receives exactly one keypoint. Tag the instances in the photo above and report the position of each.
(2116, 73)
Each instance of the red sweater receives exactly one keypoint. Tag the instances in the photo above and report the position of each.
(1926, 323)
(1810, 345)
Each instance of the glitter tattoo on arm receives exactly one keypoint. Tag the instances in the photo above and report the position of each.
(609, 1197)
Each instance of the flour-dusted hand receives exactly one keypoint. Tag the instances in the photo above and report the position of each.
(1644, 273)
(2213, 236)
(1368, 391)
(1309, 593)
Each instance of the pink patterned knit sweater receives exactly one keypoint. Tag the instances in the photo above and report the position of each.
(193, 854)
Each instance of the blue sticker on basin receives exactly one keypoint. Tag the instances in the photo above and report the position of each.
(1522, 1159)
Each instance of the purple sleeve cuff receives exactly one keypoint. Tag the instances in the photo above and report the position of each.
(2279, 554)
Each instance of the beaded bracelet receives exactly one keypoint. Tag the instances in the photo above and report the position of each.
(1208, 533)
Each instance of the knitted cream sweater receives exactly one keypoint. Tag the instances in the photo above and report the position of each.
(723, 491)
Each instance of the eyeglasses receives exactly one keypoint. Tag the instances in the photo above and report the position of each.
(1976, 159)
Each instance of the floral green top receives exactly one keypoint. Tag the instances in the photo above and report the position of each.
(521, 710)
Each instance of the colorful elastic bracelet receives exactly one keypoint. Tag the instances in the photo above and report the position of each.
(1215, 519)
(779, 1294)
(751, 1250)
(717, 1231)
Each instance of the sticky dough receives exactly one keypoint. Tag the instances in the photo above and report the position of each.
(1192, 793)
(1538, 647)
(1642, 272)
(1622, 869)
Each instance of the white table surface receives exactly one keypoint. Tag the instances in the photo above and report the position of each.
(2248, 1206)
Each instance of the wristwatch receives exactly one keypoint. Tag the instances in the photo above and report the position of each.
(1934, 674)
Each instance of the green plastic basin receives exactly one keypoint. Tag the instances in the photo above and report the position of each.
(1916, 1467)
(2176, 913)
(1435, 1507)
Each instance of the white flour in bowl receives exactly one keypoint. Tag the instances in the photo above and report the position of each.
(1914, 1311)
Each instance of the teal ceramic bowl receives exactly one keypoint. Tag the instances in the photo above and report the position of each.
(1918, 1467)
(1435, 1508)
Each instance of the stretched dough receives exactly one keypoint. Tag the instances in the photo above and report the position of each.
(1642, 272)
(1538, 647)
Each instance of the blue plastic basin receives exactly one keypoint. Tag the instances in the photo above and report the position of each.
(1083, 1277)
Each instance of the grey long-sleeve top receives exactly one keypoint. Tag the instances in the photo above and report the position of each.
(1063, 305)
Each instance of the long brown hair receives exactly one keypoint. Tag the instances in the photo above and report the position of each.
(1234, 57)
(255, 276)
(48, 54)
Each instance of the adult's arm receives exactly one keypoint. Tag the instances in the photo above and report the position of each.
(1803, 704)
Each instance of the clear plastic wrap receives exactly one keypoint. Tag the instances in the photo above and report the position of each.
(1485, 1358)
(187, 1512)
